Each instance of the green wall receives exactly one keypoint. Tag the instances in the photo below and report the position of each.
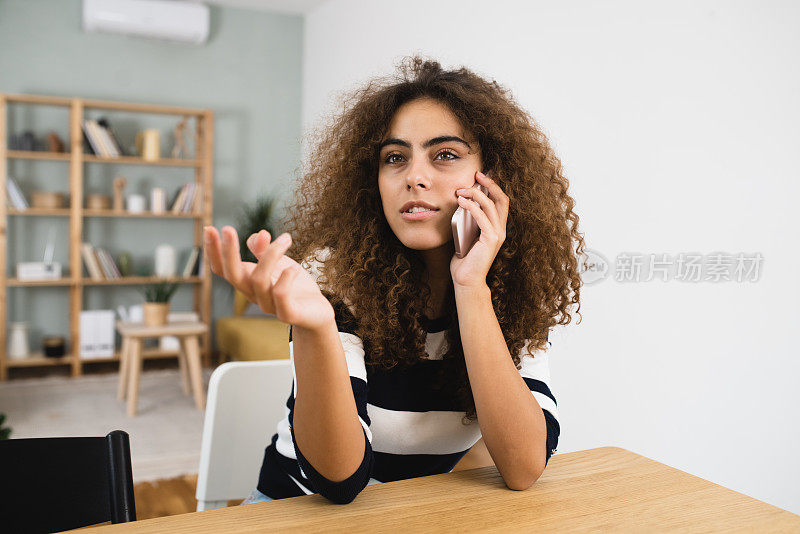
(249, 73)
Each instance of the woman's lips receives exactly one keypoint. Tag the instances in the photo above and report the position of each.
(419, 216)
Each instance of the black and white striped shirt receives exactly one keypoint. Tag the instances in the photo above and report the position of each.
(411, 430)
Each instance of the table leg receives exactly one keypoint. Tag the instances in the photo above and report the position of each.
(183, 367)
(195, 370)
(123, 368)
(135, 369)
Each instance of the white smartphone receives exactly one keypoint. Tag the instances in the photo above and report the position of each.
(465, 229)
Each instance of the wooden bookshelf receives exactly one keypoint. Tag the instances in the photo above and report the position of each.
(76, 159)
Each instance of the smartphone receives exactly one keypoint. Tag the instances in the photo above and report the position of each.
(465, 228)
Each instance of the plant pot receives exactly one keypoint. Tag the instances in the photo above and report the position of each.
(155, 313)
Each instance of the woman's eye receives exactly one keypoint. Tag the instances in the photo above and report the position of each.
(390, 158)
(450, 155)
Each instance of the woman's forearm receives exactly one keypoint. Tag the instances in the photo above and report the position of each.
(325, 420)
(510, 418)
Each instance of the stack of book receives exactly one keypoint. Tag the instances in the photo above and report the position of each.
(99, 263)
(188, 198)
(101, 139)
(15, 197)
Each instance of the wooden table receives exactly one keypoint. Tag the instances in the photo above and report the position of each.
(130, 361)
(601, 489)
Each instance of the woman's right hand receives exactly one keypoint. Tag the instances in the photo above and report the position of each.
(277, 283)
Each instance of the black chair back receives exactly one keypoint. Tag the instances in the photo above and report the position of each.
(54, 484)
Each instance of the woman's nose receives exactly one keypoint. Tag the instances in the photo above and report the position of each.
(418, 177)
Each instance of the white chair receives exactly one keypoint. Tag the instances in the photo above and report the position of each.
(246, 400)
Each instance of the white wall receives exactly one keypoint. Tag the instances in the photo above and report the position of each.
(677, 126)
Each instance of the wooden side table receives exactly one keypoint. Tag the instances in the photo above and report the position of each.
(130, 363)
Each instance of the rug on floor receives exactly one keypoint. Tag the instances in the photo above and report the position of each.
(165, 435)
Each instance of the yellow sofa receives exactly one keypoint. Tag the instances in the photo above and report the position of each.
(251, 337)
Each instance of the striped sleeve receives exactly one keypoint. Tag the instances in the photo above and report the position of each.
(344, 491)
(535, 371)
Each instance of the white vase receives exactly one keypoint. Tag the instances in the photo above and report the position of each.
(18, 341)
(165, 260)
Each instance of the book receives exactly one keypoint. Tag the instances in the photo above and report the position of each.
(105, 138)
(191, 261)
(90, 129)
(109, 267)
(115, 144)
(97, 132)
(90, 261)
(178, 202)
(197, 207)
(15, 197)
(189, 200)
(94, 148)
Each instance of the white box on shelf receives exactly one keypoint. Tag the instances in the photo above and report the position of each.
(38, 270)
(97, 334)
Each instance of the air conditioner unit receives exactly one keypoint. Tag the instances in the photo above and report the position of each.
(156, 19)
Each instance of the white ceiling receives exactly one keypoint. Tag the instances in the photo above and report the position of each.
(299, 7)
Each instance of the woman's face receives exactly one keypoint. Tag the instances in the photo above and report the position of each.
(425, 156)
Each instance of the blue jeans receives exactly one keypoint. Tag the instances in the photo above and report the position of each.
(256, 496)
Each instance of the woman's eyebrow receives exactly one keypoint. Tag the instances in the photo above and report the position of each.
(427, 144)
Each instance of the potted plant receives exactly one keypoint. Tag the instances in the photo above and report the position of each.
(253, 218)
(5, 432)
(156, 305)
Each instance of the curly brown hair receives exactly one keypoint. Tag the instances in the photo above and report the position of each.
(337, 219)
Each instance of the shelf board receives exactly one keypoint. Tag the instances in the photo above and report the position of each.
(128, 160)
(38, 359)
(163, 215)
(133, 160)
(29, 154)
(47, 212)
(125, 280)
(63, 281)
(65, 212)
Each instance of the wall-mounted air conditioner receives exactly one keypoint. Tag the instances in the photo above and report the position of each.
(156, 19)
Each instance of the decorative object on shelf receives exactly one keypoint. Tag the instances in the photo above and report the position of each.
(54, 142)
(18, 348)
(47, 269)
(253, 218)
(48, 199)
(119, 185)
(165, 261)
(148, 143)
(158, 202)
(97, 201)
(156, 304)
(54, 346)
(180, 150)
(136, 203)
(97, 334)
(136, 313)
(125, 263)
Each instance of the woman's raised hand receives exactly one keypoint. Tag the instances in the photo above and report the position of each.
(277, 283)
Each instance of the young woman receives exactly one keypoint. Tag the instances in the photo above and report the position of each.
(404, 354)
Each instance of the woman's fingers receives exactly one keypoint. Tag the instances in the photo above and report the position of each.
(263, 277)
(232, 260)
(212, 249)
(281, 291)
